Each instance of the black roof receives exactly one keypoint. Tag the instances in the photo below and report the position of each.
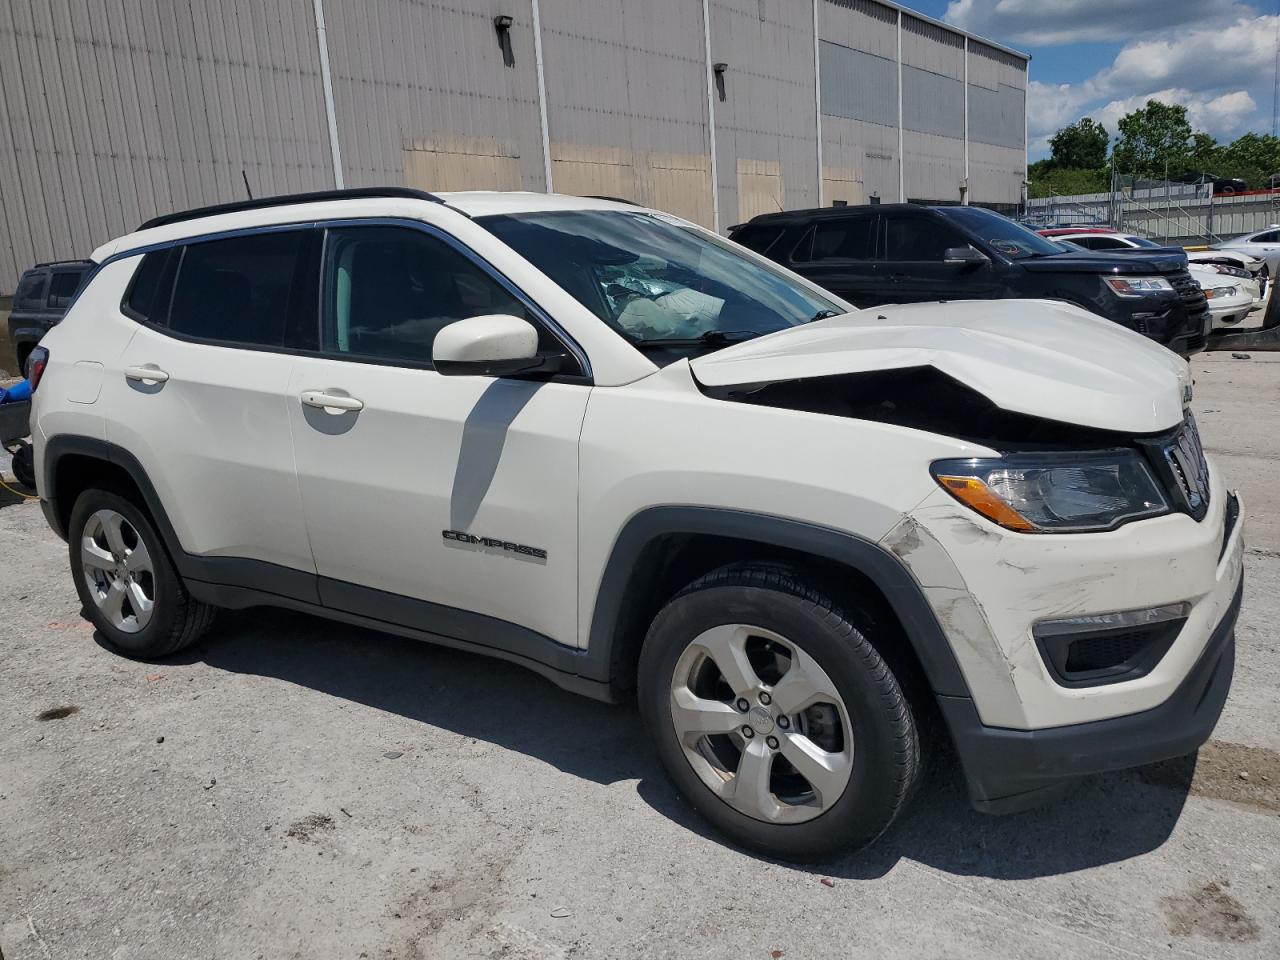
(823, 213)
(259, 203)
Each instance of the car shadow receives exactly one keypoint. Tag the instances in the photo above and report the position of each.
(1103, 820)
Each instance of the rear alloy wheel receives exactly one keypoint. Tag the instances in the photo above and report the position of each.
(775, 715)
(118, 570)
(128, 587)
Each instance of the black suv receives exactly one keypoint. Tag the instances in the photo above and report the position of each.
(44, 293)
(904, 253)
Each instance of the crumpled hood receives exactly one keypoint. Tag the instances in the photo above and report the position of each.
(1037, 357)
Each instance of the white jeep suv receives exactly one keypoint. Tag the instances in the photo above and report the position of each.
(609, 445)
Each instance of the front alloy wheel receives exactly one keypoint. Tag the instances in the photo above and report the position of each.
(761, 724)
(774, 713)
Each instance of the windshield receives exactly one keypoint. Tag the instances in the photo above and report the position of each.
(1002, 234)
(658, 282)
(1141, 241)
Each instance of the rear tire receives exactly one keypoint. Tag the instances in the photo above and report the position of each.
(855, 747)
(128, 587)
(24, 466)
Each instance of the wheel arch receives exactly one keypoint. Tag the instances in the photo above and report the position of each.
(72, 464)
(661, 549)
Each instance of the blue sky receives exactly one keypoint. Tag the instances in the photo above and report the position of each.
(1102, 58)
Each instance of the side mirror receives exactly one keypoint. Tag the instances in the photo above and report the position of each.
(964, 257)
(494, 345)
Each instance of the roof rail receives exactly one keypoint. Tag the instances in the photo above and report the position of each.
(62, 263)
(357, 193)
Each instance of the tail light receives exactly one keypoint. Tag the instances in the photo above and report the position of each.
(36, 363)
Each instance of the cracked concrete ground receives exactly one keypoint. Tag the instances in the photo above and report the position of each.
(295, 788)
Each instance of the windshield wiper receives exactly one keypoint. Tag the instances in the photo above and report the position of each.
(713, 338)
(823, 314)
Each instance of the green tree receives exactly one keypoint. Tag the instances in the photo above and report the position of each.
(1153, 139)
(1253, 157)
(1080, 146)
(1203, 155)
(1048, 181)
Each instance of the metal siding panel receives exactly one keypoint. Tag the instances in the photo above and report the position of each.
(626, 102)
(933, 48)
(17, 229)
(405, 73)
(997, 117)
(932, 103)
(768, 113)
(867, 151)
(934, 166)
(995, 174)
(858, 85)
(860, 25)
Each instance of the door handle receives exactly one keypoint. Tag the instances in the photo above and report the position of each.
(334, 403)
(146, 373)
(899, 277)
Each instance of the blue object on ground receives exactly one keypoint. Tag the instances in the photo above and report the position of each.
(18, 392)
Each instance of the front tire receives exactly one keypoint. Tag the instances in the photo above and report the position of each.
(774, 714)
(128, 587)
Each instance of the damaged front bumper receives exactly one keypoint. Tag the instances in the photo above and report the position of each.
(1011, 770)
(1024, 731)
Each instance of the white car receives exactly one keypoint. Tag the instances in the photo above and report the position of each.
(611, 446)
(1231, 298)
(1261, 244)
(1247, 270)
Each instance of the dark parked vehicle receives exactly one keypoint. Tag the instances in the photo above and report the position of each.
(44, 293)
(904, 253)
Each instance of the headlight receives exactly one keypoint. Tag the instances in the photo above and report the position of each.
(1212, 293)
(1138, 286)
(1055, 492)
(1227, 269)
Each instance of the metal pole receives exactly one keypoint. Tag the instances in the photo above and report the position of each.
(711, 116)
(326, 80)
(542, 95)
(817, 92)
(965, 198)
(902, 175)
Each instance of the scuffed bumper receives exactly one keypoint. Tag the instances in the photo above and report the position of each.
(989, 587)
(1010, 770)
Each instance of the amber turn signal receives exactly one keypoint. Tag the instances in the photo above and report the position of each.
(973, 493)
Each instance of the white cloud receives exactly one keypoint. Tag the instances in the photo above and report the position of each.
(1220, 73)
(1050, 22)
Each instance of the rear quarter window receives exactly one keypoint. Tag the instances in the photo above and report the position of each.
(758, 238)
(149, 293)
(31, 291)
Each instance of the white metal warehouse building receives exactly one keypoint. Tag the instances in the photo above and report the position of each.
(112, 111)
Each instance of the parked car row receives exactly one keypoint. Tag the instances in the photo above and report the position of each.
(1233, 284)
(905, 253)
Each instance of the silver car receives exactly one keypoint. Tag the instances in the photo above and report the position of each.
(1263, 244)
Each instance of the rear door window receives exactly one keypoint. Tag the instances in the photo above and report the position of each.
(848, 238)
(63, 287)
(257, 290)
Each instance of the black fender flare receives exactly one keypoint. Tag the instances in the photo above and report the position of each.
(878, 565)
